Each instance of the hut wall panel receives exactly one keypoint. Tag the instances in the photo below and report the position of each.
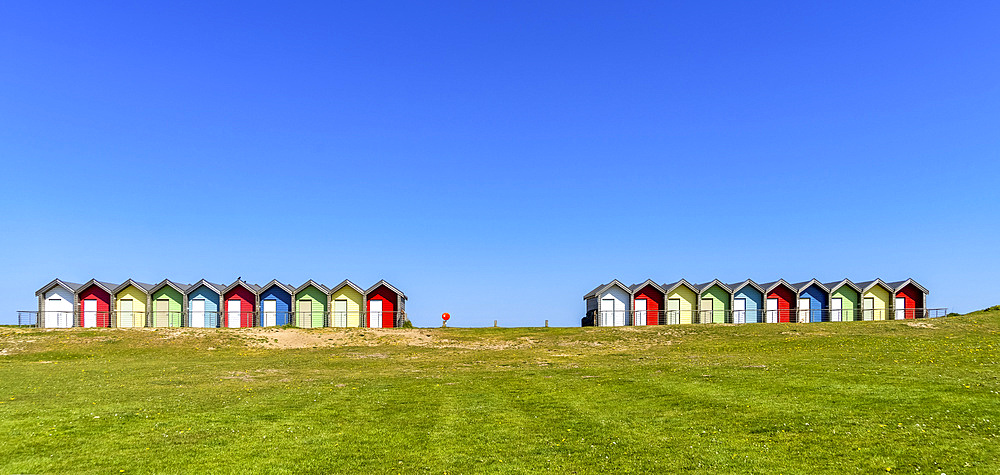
(354, 299)
(211, 305)
(138, 306)
(103, 305)
(248, 302)
(688, 301)
(318, 306)
(913, 298)
(785, 298)
(622, 300)
(754, 302)
(53, 310)
(720, 303)
(849, 302)
(883, 301)
(172, 317)
(388, 305)
(283, 304)
(654, 303)
(817, 302)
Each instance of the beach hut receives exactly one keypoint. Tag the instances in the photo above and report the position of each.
(385, 306)
(647, 303)
(346, 300)
(275, 304)
(167, 298)
(813, 300)
(876, 298)
(55, 304)
(240, 301)
(609, 304)
(682, 301)
(844, 300)
(911, 299)
(94, 304)
(203, 300)
(779, 301)
(748, 300)
(714, 304)
(131, 301)
(310, 304)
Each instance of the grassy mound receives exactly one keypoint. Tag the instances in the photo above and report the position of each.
(917, 396)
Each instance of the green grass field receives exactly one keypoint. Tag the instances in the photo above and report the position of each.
(858, 397)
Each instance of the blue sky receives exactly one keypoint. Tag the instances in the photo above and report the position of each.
(497, 160)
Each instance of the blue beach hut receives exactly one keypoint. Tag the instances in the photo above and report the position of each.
(203, 304)
(275, 304)
(813, 301)
(748, 301)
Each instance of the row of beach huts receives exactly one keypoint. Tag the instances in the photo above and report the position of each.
(209, 305)
(649, 303)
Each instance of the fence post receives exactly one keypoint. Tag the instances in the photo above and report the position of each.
(494, 323)
(546, 323)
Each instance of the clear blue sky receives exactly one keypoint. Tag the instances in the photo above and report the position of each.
(497, 160)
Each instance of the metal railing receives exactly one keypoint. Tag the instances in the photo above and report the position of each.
(677, 317)
(207, 319)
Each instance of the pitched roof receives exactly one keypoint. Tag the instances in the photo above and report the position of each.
(708, 285)
(106, 286)
(601, 288)
(739, 285)
(251, 287)
(383, 282)
(833, 286)
(217, 288)
(139, 285)
(804, 285)
(182, 288)
(897, 286)
(275, 282)
(70, 286)
(671, 287)
(317, 285)
(637, 287)
(347, 283)
(772, 285)
(868, 284)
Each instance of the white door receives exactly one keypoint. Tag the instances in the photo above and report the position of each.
(340, 313)
(125, 317)
(900, 308)
(868, 311)
(707, 313)
(640, 312)
(375, 314)
(233, 308)
(270, 316)
(197, 317)
(673, 311)
(59, 309)
(772, 310)
(836, 307)
(803, 310)
(740, 311)
(89, 313)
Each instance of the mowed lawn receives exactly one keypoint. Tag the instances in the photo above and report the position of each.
(858, 397)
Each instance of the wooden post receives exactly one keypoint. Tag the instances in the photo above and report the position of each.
(546, 324)
(494, 323)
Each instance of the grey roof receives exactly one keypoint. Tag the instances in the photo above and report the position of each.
(868, 284)
(703, 287)
(251, 287)
(275, 282)
(317, 285)
(383, 282)
(671, 287)
(347, 283)
(772, 285)
(601, 288)
(739, 285)
(217, 288)
(107, 286)
(897, 286)
(182, 288)
(833, 286)
(637, 287)
(804, 285)
(139, 285)
(70, 286)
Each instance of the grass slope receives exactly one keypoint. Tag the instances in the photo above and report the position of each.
(795, 398)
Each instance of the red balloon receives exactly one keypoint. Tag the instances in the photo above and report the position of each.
(445, 316)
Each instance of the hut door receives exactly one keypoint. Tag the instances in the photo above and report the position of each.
(740, 311)
(772, 310)
(125, 314)
(233, 308)
(673, 311)
(375, 313)
(900, 308)
(706, 310)
(197, 317)
(836, 305)
(89, 313)
(803, 310)
(270, 313)
(868, 311)
(304, 315)
(640, 312)
(340, 313)
(162, 307)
